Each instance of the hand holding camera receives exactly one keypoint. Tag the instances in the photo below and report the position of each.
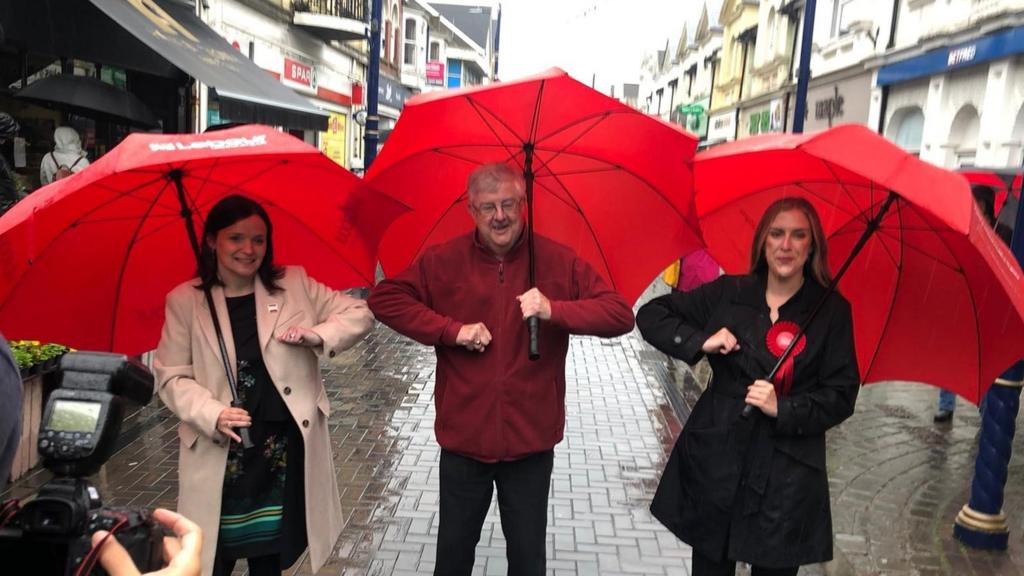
(181, 552)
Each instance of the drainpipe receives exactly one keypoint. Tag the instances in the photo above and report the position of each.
(889, 46)
(745, 38)
(892, 25)
(805, 67)
(497, 42)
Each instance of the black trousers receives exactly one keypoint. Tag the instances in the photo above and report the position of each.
(704, 566)
(258, 565)
(466, 489)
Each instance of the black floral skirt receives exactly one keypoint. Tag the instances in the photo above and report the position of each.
(263, 500)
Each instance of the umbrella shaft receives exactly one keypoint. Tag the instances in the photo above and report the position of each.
(870, 229)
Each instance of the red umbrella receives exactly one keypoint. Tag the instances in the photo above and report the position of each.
(936, 296)
(88, 260)
(1001, 180)
(607, 180)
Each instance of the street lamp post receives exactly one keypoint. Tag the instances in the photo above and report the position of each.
(372, 82)
(804, 76)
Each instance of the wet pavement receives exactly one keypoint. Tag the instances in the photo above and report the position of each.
(897, 479)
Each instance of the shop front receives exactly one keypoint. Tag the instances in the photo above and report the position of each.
(693, 116)
(764, 116)
(152, 51)
(840, 98)
(721, 127)
(959, 105)
(326, 76)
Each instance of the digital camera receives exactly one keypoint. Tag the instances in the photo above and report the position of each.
(51, 533)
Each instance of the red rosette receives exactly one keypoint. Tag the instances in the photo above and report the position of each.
(777, 340)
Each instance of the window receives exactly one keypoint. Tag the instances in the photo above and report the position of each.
(906, 128)
(839, 17)
(773, 22)
(387, 41)
(963, 135)
(435, 51)
(410, 42)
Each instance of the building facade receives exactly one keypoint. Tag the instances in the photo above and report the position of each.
(739, 19)
(952, 87)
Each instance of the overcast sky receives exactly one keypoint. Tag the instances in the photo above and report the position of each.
(586, 37)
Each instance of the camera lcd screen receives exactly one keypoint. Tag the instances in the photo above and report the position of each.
(74, 416)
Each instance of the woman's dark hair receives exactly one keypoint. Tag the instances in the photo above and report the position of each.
(227, 211)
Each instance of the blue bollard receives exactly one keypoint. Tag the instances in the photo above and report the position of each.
(981, 523)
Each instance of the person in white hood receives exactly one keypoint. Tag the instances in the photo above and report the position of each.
(66, 159)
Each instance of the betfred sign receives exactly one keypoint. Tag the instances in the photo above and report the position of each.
(435, 72)
(299, 73)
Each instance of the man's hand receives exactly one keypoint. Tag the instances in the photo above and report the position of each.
(233, 418)
(533, 303)
(761, 395)
(721, 342)
(474, 337)
(181, 553)
(299, 336)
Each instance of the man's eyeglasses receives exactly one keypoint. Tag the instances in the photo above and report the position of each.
(510, 206)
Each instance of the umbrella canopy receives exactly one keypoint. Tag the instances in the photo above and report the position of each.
(88, 260)
(1002, 181)
(91, 96)
(936, 296)
(608, 181)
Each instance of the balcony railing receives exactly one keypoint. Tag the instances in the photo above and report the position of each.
(341, 20)
(351, 9)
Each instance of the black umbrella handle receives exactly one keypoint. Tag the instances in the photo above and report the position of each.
(533, 325)
(243, 433)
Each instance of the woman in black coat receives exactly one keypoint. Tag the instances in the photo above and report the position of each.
(755, 489)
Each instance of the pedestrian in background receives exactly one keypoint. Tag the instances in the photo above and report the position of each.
(755, 489)
(9, 195)
(691, 271)
(265, 503)
(10, 411)
(67, 157)
(499, 415)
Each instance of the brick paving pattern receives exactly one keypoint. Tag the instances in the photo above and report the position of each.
(897, 479)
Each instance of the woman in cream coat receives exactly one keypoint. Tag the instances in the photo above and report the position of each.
(296, 320)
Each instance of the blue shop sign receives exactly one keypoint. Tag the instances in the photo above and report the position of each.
(391, 93)
(941, 60)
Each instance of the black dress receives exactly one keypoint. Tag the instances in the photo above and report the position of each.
(755, 489)
(263, 500)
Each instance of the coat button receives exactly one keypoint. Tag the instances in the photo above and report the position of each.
(331, 353)
(677, 340)
(216, 441)
(305, 423)
(287, 390)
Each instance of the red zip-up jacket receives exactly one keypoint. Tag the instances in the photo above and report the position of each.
(498, 405)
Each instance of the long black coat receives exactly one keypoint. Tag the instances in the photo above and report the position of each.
(754, 490)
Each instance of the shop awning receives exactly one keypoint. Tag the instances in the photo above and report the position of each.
(245, 92)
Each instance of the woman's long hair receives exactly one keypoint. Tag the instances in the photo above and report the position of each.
(228, 211)
(817, 260)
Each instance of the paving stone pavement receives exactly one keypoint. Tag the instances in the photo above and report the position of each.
(897, 480)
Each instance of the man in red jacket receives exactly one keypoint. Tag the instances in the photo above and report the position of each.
(499, 415)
